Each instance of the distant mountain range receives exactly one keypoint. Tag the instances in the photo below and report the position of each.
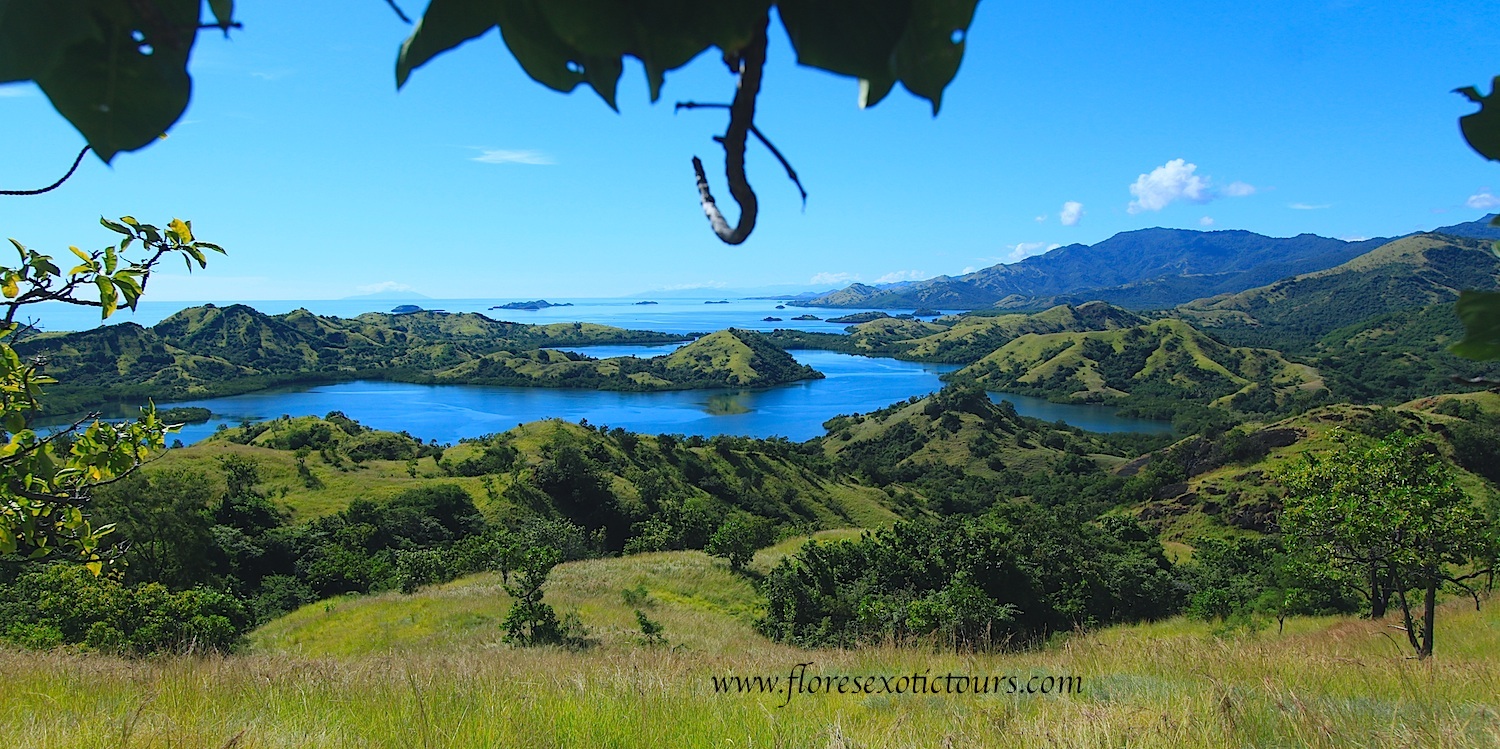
(1143, 269)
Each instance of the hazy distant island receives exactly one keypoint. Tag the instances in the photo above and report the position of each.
(532, 306)
(646, 302)
(721, 301)
(807, 317)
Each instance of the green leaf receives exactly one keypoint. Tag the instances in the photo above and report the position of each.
(445, 25)
(1482, 129)
(542, 54)
(35, 36)
(118, 96)
(882, 42)
(111, 259)
(562, 43)
(1480, 313)
(107, 298)
(114, 227)
(930, 51)
(182, 230)
(223, 11)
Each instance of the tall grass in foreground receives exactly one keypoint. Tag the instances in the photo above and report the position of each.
(1322, 683)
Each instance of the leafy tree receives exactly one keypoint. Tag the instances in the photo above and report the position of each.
(738, 537)
(1390, 513)
(117, 69)
(45, 481)
(531, 621)
(164, 522)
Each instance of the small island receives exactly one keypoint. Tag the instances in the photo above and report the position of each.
(184, 415)
(858, 317)
(721, 301)
(533, 306)
(807, 317)
(405, 309)
(781, 306)
(926, 312)
(770, 319)
(645, 302)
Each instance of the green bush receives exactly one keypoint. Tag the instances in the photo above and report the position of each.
(66, 604)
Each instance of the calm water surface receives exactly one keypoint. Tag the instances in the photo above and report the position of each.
(854, 384)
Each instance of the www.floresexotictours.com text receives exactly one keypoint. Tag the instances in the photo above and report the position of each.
(800, 682)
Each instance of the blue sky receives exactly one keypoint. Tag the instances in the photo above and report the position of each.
(1069, 122)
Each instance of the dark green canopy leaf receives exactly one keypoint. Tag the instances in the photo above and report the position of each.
(1482, 128)
(1480, 313)
(115, 69)
(562, 43)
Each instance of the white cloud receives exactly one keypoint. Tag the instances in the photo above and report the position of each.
(505, 156)
(1354, 238)
(967, 270)
(1206, 221)
(901, 275)
(1072, 211)
(376, 288)
(1239, 189)
(1483, 200)
(823, 278)
(1042, 219)
(1166, 184)
(1019, 252)
(1308, 206)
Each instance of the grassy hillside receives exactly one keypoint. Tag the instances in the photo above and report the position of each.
(1225, 485)
(958, 339)
(1166, 359)
(1409, 273)
(425, 670)
(206, 351)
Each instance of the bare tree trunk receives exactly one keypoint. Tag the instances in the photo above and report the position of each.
(1429, 615)
(1378, 596)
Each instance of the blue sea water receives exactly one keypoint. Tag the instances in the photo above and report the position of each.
(446, 413)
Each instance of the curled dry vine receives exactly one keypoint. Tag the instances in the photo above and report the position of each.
(750, 64)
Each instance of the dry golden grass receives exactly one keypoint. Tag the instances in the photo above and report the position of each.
(1323, 683)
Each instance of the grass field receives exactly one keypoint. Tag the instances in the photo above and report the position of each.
(428, 670)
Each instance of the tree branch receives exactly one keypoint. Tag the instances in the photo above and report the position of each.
(790, 172)
(399, 14)
(54, 185)
(750, 63)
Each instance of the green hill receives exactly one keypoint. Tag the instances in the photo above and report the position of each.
(1223, 486)
(637, 475)
(206, 351)
(958, 339)
(734, 358)
(1166, 359)
(1409, 273)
